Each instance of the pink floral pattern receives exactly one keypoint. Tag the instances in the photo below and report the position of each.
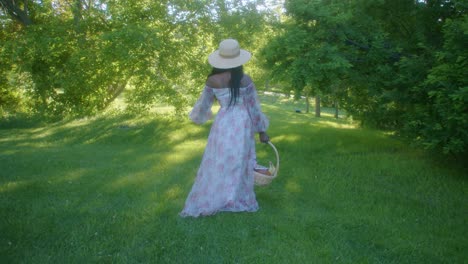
(225, 179)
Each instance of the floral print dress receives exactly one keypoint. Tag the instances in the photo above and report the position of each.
(225, 179)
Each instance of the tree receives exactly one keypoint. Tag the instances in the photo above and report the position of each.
(80, 55)
(440, 117)
(307, 52)
(399, 65)
(18, 10)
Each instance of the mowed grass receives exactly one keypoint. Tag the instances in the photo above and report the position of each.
(109, 190)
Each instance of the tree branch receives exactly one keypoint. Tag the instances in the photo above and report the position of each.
(13, 9)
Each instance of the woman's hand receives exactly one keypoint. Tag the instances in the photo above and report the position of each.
(264, 138)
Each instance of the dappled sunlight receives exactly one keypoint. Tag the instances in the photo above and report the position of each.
(161, 170)
(139, 179)
(325, 123)
(69, 176)
(173, 193)
(12, 186)
(46, 132)
(290, 138)
(120, 183)
(42, 133)
(9, 152)
(173, 160)
(389, 133)
(293, 187)
(78, 123)
(16, 135)
(181, 134)
(184, 152)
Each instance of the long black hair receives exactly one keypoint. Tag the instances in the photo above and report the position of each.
(234, 83)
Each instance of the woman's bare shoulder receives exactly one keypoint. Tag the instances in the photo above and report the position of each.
(218, 81)
(222, 80)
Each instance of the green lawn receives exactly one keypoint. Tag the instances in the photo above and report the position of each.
(108, 190)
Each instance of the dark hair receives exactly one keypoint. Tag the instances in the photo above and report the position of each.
(234, 83)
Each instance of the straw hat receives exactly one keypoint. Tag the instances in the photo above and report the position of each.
(229, 55)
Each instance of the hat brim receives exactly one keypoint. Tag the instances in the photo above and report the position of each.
(217, 61)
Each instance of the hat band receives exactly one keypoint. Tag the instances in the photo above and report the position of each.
(230, 56)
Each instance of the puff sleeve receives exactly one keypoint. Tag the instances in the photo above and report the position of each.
(259, 120)
(201, 112)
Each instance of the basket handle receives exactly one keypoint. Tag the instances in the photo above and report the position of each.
(277, 158)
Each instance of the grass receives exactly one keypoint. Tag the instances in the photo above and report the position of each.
(108, 190)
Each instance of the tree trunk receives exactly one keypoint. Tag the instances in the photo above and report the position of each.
(114, 91)
(336, 109)
(307, 103)
(76, 10)
(13, 9)
(317, 106)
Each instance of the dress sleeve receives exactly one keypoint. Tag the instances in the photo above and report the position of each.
(259, 120)
(201, 112)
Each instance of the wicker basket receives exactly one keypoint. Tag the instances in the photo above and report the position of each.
(262, 179)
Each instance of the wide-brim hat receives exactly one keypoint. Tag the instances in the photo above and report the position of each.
(229, 55)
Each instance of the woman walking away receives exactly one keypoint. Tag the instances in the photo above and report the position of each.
(225, 179)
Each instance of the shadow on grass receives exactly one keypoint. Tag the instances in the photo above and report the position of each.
(363, 192)
(88, 185)
(109, 190)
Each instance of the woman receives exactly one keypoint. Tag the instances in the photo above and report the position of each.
(225, 179)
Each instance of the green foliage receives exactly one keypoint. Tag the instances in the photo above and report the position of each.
(79, 56)
(306, 53)
(441, 120)
(10, 98)
(396, 65)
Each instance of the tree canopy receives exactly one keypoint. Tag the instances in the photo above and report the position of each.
(393, 64)
(398, 65)
(74, 57)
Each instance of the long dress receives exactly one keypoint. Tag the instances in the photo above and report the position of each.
(225, 178)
